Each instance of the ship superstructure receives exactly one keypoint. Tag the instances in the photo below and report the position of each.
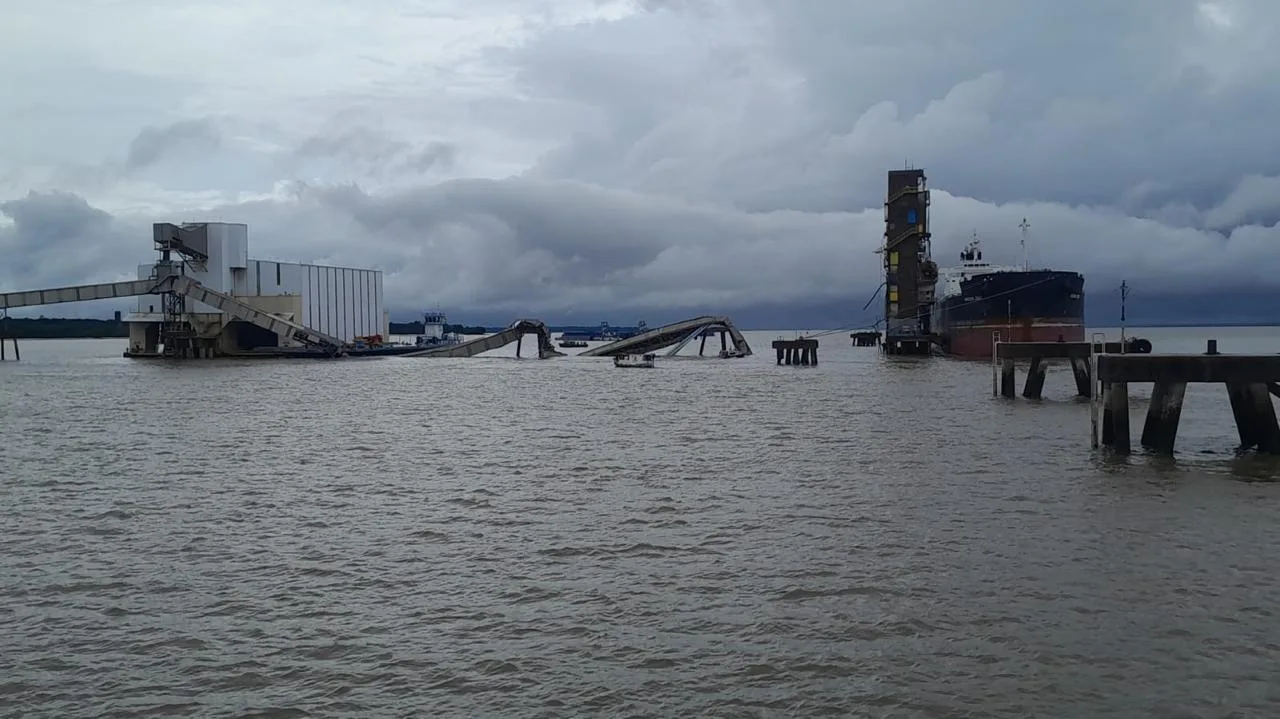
(977, 300)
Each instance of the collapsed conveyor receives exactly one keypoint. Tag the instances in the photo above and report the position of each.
(658, 338)
(513, 333)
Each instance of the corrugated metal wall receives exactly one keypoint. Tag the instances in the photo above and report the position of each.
(340, 301)
(335, 300)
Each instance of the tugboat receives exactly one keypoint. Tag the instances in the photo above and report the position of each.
(433, 332)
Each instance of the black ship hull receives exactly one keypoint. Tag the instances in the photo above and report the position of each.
(1022, 306)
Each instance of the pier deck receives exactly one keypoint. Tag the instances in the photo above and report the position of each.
(1005, 355)
(802, 351)
(1250, 381)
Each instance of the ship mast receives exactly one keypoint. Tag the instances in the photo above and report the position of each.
(1024, 226)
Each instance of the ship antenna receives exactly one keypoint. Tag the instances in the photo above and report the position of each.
(1024, 226)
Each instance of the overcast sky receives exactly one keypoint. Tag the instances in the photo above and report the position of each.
(599, 160)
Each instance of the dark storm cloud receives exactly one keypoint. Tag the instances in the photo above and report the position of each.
(1003, 100)
(375, 152)
(56, 239)
(153, 143)
(552, 245)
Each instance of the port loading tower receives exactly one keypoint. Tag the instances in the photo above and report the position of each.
(911, 275)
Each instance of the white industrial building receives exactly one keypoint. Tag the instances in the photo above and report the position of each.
(340, 302)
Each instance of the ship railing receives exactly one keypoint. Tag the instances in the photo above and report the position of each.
(917, 229)
(908, 191)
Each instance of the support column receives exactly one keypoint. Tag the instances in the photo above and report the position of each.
(1084, 379)
(1035, 379)
(780, 353)
(1255, 416)
(1264, 412)
(519, 340)
(1008, 380)
(1115, 417)
(724, 345)
(1240, 408)
(1161, 428)
(702, 347)
(813, 355)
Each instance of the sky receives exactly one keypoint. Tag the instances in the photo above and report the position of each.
(613, 160)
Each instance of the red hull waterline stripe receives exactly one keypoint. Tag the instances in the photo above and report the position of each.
(976, 341)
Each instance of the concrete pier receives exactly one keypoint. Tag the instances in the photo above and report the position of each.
(797, 352)
(1250, 381)
(1039, 354)
(869, 338)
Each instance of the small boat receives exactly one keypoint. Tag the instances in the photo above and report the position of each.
(572, 343)
(634, 360)
(435, 332)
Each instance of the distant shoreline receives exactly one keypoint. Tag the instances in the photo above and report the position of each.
(45, 328)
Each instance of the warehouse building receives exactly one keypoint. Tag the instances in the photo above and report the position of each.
(340, 302)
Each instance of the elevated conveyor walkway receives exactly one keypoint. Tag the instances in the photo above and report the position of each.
(677, 333)
(79, 293)
(181, 285)
(513, 333)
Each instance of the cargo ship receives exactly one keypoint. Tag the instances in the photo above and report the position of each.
(976, 300)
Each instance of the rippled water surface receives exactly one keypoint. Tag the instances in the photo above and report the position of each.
(524, 538)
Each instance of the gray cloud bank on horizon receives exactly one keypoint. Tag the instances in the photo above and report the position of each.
(584, 160)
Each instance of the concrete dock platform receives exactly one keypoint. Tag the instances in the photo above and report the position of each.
(803, 351)
(1250, 381)
(1006, 354)
(866, 338)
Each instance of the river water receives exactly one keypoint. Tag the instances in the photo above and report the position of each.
(521, 538)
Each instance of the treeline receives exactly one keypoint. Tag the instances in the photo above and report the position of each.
(415, 328)
(46, 328)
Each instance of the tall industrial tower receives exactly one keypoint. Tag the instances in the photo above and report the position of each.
(910, 273)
